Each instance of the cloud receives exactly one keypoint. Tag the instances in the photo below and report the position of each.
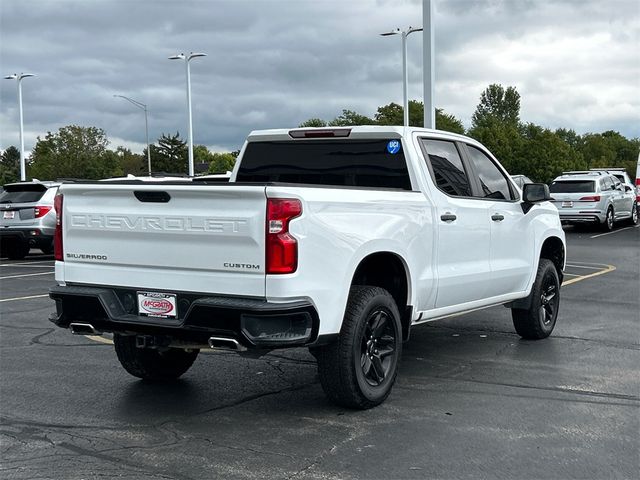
(276, 63)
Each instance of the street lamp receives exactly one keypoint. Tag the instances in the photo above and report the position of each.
(186, 59)
(405, 77)
(146, 125)
(15, 76)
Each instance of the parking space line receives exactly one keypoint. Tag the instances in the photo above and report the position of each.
(27, 275)
(25, 263)
(599, 266)
(607, 269)
(615, 231)
(22, 265)
(24, 298)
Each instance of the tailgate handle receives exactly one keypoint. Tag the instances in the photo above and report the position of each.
(152, 197)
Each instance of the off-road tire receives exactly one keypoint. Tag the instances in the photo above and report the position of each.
(359, 369)
(152, 364)
(539, 320)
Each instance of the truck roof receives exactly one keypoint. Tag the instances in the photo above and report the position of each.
(358, 132)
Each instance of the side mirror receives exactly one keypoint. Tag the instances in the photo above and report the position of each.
(533, 193)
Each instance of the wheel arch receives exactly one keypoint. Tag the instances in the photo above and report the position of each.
(388, 270)
(553, 249)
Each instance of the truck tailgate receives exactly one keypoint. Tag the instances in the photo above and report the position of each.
(189, 238)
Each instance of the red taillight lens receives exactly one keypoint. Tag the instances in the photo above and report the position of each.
(281, 246)
(41, 211)
(57, 236)
(593, 198)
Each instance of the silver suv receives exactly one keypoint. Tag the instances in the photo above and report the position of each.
(27, 218)
(595, 197)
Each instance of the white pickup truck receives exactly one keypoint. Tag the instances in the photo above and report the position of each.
(337, 239)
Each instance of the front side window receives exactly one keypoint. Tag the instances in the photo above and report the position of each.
(447, 168)
(493, 182)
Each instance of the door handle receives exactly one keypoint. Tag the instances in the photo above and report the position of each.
(496, 217)
(448, 217)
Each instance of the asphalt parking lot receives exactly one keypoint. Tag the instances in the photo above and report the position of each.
(472, 399)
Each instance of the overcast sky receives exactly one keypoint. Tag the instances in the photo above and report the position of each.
(277, 63)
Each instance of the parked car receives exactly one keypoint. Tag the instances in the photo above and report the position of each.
(336, 239)
(520, 180)
(27, 218)
(592, 197)
(638, 185)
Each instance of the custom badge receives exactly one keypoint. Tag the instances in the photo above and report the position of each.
(393, 146)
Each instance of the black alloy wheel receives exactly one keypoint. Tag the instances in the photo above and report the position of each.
(548, 300)
(377, 347)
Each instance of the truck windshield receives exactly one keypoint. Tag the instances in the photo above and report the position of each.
(572, 186)
(378, 163)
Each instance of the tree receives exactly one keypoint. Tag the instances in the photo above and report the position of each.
(499, 104)
(543, 154)
(10, 165)
(221, 162)
(349, 117)
(448, 123)
(73, 152)
(170, 155)
(313, 122)
(131, 163)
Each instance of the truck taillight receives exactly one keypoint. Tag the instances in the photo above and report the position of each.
(40, 210)
(57, 236)
(281, 246)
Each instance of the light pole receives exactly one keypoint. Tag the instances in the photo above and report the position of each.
(405, 73)
(146, 125)
(15, 76)
(428, 66)
(187, 59)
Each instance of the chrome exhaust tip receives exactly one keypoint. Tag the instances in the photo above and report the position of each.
(221, 343)
(83, 329)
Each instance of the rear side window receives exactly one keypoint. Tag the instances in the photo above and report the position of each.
(25, 193)
(378, 163)
(447, 168)
(572, 186)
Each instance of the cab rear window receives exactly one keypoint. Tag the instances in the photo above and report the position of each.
(376, 163)
(573, 186)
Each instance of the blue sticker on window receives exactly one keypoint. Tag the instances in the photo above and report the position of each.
(393, 146)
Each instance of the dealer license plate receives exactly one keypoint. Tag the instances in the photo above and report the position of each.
(10, 215)
(567, 204)
(154, 304)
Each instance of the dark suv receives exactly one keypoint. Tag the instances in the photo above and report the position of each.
(27, 218)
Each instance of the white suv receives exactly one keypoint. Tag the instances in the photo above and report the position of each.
(592, 197)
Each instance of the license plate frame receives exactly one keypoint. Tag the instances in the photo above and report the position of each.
(157, 304)
(567, 204)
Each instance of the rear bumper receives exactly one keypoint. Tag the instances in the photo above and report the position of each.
(583, 218)
(34, 236)
(253, 323)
